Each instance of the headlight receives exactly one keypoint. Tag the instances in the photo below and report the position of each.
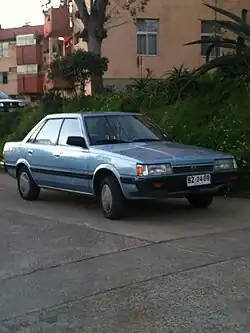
(225, 164)
(21, 104)
(1, 105)
(153, 170)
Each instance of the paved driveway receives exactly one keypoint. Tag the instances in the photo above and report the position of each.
(167, 268)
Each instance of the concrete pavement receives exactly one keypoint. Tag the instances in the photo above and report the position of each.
(166, 268)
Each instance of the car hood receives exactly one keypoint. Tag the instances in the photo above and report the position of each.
(152, 152)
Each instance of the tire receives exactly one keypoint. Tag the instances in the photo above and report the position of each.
(201, 200)
(112, 200)
(28, 189)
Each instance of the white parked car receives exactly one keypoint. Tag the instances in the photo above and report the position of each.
(7, 103)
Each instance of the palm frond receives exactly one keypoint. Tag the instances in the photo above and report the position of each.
(225, 13)
(238, 29)
(223, 61)
(227, 43)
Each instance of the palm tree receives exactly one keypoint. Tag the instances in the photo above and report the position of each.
(240, 45)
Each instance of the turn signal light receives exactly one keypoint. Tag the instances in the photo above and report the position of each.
(139, 170)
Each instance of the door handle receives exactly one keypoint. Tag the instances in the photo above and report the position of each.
(30, 151)
(57, 154)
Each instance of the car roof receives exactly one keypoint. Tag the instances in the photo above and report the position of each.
(90, 114)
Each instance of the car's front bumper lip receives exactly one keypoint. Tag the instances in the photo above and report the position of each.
(175, 185)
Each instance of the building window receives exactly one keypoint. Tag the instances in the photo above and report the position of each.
(146, 37)
(208, 32)
(3, 77)
(27, 69)
(4, 49)
(22, 40)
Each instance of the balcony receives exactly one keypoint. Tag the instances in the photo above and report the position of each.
(29, 54)
(30, 84)
(56, 22)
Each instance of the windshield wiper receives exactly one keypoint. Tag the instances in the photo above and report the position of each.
(145, 140)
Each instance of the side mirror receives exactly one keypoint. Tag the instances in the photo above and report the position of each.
(76, 141)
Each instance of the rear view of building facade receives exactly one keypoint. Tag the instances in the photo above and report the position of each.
(154, 40)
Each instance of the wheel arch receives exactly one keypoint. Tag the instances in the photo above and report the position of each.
(23, 163)
(100, 173)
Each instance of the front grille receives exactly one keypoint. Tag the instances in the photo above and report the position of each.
(10, 104)
(193, 168)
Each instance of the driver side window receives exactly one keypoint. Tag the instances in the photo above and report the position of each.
(70, 127)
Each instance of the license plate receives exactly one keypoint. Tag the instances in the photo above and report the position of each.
(198, 180)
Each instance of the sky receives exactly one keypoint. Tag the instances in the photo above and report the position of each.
(15, 13)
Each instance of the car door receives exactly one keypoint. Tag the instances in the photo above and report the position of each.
(41, 152)
(72, 161)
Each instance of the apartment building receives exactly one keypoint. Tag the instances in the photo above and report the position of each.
(26, 53)
(21, 59)
(155, 40)
(58, 38)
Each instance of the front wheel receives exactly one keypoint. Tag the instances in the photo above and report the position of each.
(112, 200)
(200, 200)
(28, 189)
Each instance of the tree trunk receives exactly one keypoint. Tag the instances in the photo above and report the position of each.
(94, 46)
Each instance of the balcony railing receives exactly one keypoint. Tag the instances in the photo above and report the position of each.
(29, 54)
(30, 84)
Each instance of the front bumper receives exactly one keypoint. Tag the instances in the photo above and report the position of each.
(175, 185)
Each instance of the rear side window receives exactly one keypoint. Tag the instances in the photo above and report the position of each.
(34, 134)
(49, 132)
(70, 127)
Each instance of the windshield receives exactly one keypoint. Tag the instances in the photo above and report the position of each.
(3, 95)
(115, 128)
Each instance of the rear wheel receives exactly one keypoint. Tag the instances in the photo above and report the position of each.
(200, 200)
(28, 189)
(112, 200)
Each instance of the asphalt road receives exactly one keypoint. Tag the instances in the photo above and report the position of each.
(166, 268)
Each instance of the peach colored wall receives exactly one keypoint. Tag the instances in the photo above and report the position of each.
(178, 23)
(5, 64)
